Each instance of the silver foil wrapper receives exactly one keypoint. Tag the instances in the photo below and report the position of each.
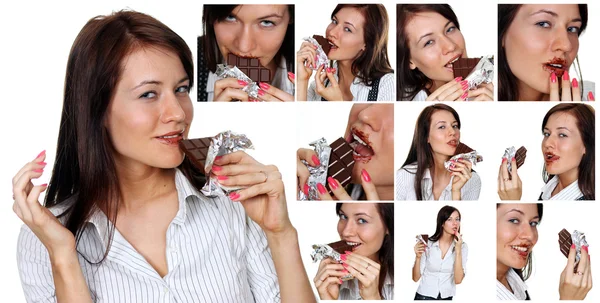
(317, 174)
(223, 143)
(225, 71)
(509, 153)
(482, 73)
(578, 239)
(473, 156)
(323, 251)
(321, 55)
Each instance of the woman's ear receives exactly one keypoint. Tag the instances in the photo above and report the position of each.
(411, 65)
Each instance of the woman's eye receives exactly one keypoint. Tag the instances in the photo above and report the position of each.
(514, 221)
(428, 43)
(534, 223)
(148, 95)
(546, 134)
(347, 29)
(183, 89)
(573, 29)
(442, 127)
(455, 126)
(562, 135)
(333, 21)
(342, 216)
(362, 221)
(544, 24)
(267, 23)
(450, 29)
(230, 18)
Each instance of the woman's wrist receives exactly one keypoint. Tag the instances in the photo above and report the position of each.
(281, 236)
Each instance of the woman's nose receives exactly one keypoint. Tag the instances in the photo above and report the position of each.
(447, 45)
(561, 42)
(245, 41)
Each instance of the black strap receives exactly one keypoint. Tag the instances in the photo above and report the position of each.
(202, 72)
(373, 92)
(527, 296)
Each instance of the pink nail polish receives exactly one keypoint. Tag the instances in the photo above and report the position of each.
(464, 96)
(503, 160)
(222, 177)
(457, 79)
(291, 75)
(315, 160)
(216, 168)
(306, 189)
(321, 189)
(45, 184)
(332, 183)
(315, 46)
(328, 70)
(341, 281)
(573, 246)
(241, 82)
(553, 77)
(344, 257)
(264, 86)
(585, 248)
(566, 76)
(261, 92)
(574, 83)
(591, 97)
(365, 175)
(40, 154)
(38, 170)
(41, 163)
(218, 158)
(344, 264)
(234, 196)
(345, 271)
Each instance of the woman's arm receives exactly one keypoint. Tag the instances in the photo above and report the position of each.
(459, 271)
(416, 271)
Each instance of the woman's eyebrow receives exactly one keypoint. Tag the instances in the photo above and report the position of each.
(553, 14)
(363, 214)
(441, 121)
(446, 25)
(274, 15)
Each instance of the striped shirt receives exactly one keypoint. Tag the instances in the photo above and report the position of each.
(518, 286)
(437, 274)
(349, 290)
(214, 252)
(568, 193)
(405, 186)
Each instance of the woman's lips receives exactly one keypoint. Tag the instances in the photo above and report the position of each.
(550, 158)
(170, 140)
(521, 251)
(557, 65)
(359, 141)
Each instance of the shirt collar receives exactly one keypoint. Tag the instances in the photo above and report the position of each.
(572, 190)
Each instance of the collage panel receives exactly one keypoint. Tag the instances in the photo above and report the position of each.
(545, 52)
(445, 52)
(246, 53)
(345, 52)
(350, 158)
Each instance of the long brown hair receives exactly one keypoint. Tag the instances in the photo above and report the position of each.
(410, 82)
(373, 62)
(586, 124)
(443, 215)
(84, 168)
(508, 89)
(420, 150)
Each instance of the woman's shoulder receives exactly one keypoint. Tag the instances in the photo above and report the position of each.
(420, 96)
(410, 169)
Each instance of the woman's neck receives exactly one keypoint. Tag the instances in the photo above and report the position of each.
(438, 163)
(344, 72)
(446, 238)
(528, 93)
(565, 179)
(385, 192)
(140, 184)
(435, 85)
(501, 273)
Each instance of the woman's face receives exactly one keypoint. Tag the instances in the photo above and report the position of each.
(151, 110)
(346, 32)
(255, 31)
(361, 223)
(444, 134)
(452, 224)
(434, 42)
(516, 233)
(370, 132)
(541, 35)
(562, 145)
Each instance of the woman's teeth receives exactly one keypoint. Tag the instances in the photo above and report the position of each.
(357, 138)
(519, 248)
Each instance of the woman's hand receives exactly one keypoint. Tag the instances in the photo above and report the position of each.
(264, 195)
(340, 193)
(57, 239)
(302, 173)
(483, 92)
(367, 273)
(458, 240)
(273, 94)
(230, 89)
(306, 58)
(419, 249)
(462, 173)
(333, 92)
(328, 279)
(570, 90)
(509, 189)
(576, 285)
(451, 91)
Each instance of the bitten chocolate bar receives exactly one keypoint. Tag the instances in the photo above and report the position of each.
(425, 238)
(251, 67)
(462, 149)
(463, 66)
(196, 150)
(565, 242)
(340, 246)
(324, 43)
(341, 162)
(520, 156)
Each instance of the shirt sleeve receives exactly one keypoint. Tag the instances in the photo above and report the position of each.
(472, 188)
(35, 269)
(261, 270)
(424, 260)
(387, 88)
(400, 185)
(311, 94)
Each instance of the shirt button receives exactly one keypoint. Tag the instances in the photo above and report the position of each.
(166, 290)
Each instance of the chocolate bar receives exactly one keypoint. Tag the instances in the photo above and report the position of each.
(425, 238)
(250, 67)
(196, 150)
(341, 162)
(324, 43)
(463, 66)
(520, 156)
(462, 149)
(565, 242)
(340, 246)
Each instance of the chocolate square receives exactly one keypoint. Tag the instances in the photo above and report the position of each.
(462, 149)
(196, 150)
(324, 43)
(340, 246)
(250, 67)
(463, 66)
(341, 162)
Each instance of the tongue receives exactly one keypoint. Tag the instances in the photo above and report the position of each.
(363, 150)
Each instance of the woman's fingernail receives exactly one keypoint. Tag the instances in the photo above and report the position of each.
(315, 46)
(457, 79)
(344, 264)
(218, 158)
(345, 271)
(513, 159)
(464, 96)
(306, 189)
(291, 75)
(44, 152)
(316, 59)
(574, 83)
(591, 96)
(222, 177)
(586, 248)
(365, 175)
(234, 196)
(553, 77)
(332, 183)
(344, 257)
(347, 252)
(503, 160)
(321, 189)
(41, 163)
(573, 246)
(566, 76)
(463, 82)
(315, 160)
(38, 170)
(264, 86)
(261, 92)
(333, 70)
(242, 82)
(45, 184)
(341, 281)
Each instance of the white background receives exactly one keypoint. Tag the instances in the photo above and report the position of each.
(36, 39)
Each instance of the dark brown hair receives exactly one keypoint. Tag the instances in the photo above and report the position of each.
(216, 13)
(443, 215)
(386, 252)
(84, 167)
(420, 150)
(373, 62)
(586, 124)
(410, 82)
(508, 89)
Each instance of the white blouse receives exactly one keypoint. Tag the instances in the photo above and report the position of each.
(349, 290)
(405, 186)
(568, 193)
(437, 274)
(518, 286)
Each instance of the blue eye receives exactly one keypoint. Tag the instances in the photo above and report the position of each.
(347, 29)
(148, 95)
(544, 24)
(573, 29)
(534, 223)
(562, 135)
(362, 221)
(514, 221)
(183, 89)
(267, 23)
(450, 29)
(230, 18)
(342, 217)
(429, 42)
